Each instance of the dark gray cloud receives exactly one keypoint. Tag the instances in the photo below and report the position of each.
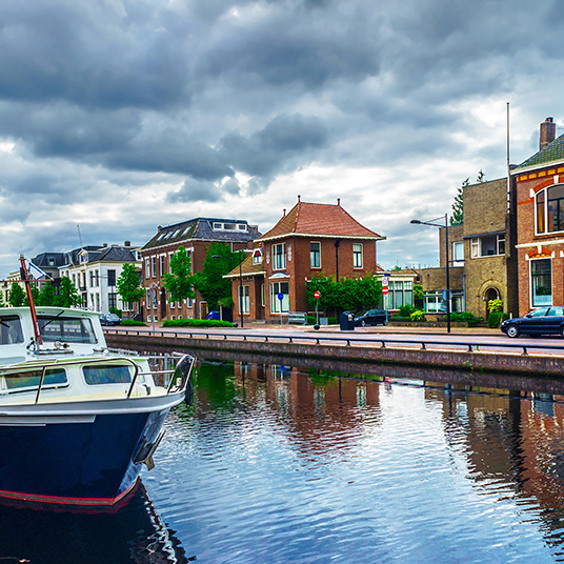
(196, 191)
(111, 102)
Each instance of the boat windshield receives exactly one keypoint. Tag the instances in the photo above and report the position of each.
(107, 374)
(10, 330)
(66, 329)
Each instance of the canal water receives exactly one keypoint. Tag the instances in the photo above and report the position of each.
(274, 465)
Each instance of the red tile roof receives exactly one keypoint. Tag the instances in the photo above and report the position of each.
(329, 220)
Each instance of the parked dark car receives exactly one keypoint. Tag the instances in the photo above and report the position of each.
(537, 322)
(372, 317)
(213, 315)
(109, 319)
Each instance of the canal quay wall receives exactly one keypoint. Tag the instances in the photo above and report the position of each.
(380, 352)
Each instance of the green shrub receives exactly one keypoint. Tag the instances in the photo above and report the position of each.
(463, 316)
(406, 310)
(196, 323)
(133, 322)
(117, 311)
(496, 317)
(495, 306)
(417, 315)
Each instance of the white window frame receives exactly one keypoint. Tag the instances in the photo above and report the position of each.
(456, 260)
(311, 255)
(279, 259)
(531, 296)
(277, 306)
(356, 254)
(243, 291)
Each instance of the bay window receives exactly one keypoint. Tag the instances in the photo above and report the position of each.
(277, 305)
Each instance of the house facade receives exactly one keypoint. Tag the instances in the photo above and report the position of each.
(195, 235)
(310, 240)
(540, 219)
(482, 255)
(94, 271)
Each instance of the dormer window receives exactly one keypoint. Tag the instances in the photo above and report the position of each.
(257, 257)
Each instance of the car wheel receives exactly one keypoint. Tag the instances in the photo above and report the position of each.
(513, 331)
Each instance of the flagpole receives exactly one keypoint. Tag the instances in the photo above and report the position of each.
(25, 278)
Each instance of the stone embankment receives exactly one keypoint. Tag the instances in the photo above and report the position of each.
(465, 352)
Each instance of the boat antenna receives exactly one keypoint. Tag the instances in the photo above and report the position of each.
(25, 278)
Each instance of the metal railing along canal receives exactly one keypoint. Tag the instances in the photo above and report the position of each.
(347, 340)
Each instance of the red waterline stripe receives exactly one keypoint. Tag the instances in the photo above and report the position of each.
(66, 500)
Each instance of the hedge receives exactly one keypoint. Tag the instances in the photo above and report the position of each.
(196, 323)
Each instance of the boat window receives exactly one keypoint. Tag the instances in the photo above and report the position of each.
(107, 374)
(28, 380)
(10, 330)
(66, 329)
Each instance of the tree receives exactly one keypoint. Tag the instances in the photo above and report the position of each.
(47, 295)
(17, 295)
(128, 284)
(481, 177)
(34, 295)
(457, 217)
(179, 282)
(68, 294)
(215, 289)
(347, 293)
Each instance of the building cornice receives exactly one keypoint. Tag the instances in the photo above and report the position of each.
(533, 167)
(245, 274)
(540, 244)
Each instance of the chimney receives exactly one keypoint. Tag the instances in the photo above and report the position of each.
(299, 198)
(284, 213)
(127, 244)
(547, 133)
(338, 201)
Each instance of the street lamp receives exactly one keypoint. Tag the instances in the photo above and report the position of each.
(417, 222)
(241, 289)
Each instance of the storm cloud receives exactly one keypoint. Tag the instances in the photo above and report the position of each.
(121, 115)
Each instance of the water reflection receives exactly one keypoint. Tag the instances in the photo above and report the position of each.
(276, 463)
(287, 465)
(135, 533)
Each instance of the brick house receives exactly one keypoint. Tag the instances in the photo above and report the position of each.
(195, 235)
(310, 240)
(482, 257)
(540, 219)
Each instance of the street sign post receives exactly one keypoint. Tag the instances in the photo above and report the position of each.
(317, 295)
(280, 297)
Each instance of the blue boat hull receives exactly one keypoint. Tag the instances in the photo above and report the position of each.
(94, 462)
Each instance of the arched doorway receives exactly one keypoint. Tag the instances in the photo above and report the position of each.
(490, 294)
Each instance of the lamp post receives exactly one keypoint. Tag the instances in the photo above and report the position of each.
(241, 290)
(417, 222)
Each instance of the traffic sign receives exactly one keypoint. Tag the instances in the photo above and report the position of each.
(385, 290)
(316, 295)
(280, 296)
(385, 282)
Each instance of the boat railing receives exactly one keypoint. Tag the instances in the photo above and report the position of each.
(174, 380)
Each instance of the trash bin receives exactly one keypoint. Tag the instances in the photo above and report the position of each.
(346, 321)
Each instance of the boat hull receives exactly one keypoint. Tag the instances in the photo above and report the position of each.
(85, 457)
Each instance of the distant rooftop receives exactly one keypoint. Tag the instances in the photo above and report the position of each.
(553, 152)
(329, 220)
(204, 229)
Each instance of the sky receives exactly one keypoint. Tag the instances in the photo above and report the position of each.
(120, 116)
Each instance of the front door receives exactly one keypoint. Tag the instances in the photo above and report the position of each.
(203, 310)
